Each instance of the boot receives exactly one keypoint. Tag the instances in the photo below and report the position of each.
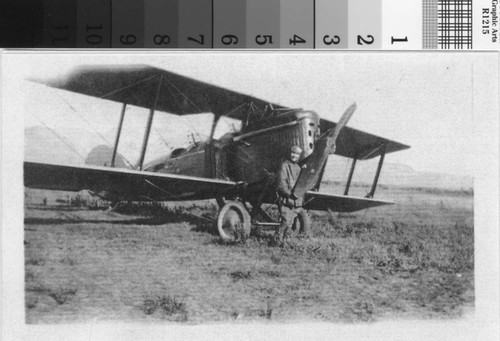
(280, 234)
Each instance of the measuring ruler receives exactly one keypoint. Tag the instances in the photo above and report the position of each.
(254, 24)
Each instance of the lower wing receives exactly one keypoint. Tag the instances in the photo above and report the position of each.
(124, 184)
(339, 203)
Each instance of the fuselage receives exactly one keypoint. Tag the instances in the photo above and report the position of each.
(250, 155)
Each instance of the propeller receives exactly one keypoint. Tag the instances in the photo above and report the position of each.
(311, 170)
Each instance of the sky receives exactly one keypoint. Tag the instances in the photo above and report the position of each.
(428, 101)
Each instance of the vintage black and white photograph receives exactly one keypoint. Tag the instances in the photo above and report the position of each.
(244, 188)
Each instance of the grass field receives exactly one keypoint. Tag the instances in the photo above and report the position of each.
(413, 260)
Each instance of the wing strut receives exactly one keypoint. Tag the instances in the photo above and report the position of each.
(351, 172)
(118, 133)
(214, 125)
(377, 174)
(148, 126)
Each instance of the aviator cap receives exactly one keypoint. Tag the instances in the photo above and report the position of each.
(296, 149)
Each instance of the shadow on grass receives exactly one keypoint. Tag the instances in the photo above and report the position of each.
(59, 208)
(152, 214)
(136, 221)
(204, 226)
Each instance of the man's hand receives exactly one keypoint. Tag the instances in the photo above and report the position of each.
(334, 148)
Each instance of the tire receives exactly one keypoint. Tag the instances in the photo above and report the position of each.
(233, 222)
(302, 223)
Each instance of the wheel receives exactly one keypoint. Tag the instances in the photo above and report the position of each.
(233, 222)
(302, 223)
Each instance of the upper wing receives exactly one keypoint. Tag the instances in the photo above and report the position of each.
(149, 87)
(357, 144)
(339, 203)
(124, 184)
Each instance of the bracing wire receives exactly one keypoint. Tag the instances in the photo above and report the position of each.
(128, 86)
(235, 109)
(189, 125)
(83, 118)
(91, 127)
(185, 96)
(161, 137)
(59, 137)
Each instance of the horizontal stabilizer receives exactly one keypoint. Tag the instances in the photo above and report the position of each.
(123, 184)
(339, 203)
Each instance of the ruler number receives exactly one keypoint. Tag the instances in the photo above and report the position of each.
(264, 39)
(368, 41)
(229, 39)
(329, 41)
(161, 39)
(399, 40)
(201, 41)
(296, 40)
(128, 39)
(94, 38)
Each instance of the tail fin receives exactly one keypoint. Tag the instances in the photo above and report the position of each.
(101, 156)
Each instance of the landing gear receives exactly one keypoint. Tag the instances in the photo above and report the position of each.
(233, 222)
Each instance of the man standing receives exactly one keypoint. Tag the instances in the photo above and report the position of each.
(289, 205)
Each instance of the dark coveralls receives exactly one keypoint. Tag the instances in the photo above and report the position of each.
(287, 177)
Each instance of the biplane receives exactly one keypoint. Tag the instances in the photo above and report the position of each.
(236, 169)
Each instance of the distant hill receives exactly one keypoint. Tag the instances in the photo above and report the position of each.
(394, 174)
